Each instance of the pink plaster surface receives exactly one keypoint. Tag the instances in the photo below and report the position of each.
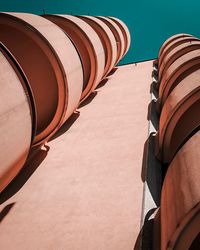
(86, 193)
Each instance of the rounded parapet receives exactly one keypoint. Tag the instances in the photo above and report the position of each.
(45, 53)
(177, 71)
(175, 53)
(180, 199)
(179, 116)
(107, 39)
(120, 42)
(88, 45)
(125, 32)
(171, 40)
(173, 45)
(17, 117)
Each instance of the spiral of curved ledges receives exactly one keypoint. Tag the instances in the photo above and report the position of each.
(178, 141)
(89, 46)
(45, 53)
(171, 40)
(119, 37)
(107, 39)
(178, 95)
(49, 65)
(180, 199)
(179, 116)
(180, 68)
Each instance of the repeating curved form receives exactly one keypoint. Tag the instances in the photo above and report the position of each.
(107, 39)
(46, 69)
(89, 47)
(17, 112)
(170, 40)
(180, 199)
(177, 71)
(179, 116)
(125, 31)
(118, 36)
(175, 53)
(173, 45)
(45, 54)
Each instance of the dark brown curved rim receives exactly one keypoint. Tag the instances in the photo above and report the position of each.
(116, 35)
(193, 132)
(69, 39)
(187, 221)
(104, 41)
(43, 38)
(189, 231)
(93, 60)
(169, 88)
(175, 44)
(191, 104)
(171, 39)
(25, 84)
(190, 66)
(179, 52)
(123, 32)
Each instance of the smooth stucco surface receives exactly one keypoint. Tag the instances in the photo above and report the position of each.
(85, 193)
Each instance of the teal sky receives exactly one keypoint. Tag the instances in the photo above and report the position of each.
(150, 22)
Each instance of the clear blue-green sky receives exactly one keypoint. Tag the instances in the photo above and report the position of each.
(150, 22)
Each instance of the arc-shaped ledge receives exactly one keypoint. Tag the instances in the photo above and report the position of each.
(51, 73)
(107, 39)
(179, 116)
(47, 68)
(177, 71)
(125, 32)
(89, 47)
(17, 114)
(171, 40)
(117, 34)
(180, 199)
(175, 53)
(173, 45)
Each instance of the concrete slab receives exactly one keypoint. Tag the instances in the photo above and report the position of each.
(83, 191)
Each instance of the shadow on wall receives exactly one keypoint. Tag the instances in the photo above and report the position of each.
(146, 233)
(102, 83)
(37, 155)
(112, 71)
(66, 126)
(151, 170)
(88, 100)
(5, 211)
(151, 167)
(149, 235)
(35, 159)
(151, 175)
